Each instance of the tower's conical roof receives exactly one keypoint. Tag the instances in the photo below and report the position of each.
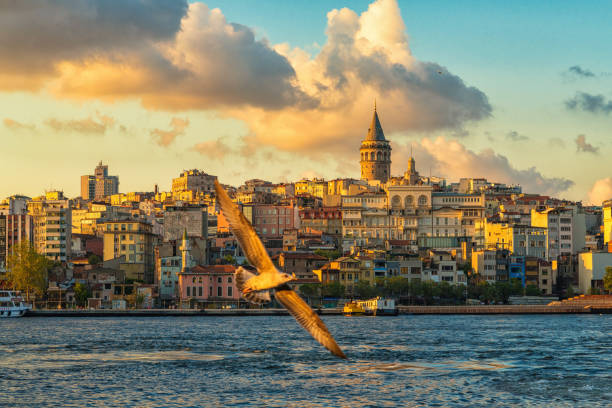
(375, 131)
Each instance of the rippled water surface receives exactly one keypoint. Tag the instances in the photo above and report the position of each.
(269, 361)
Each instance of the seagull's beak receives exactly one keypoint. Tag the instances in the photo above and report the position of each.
(293, 276)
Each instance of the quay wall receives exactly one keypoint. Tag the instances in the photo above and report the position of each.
(417, 310)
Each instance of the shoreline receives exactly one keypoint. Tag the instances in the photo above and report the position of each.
(402, 310)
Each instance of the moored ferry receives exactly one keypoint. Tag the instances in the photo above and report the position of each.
(373, 307)
(353, 308)
(12, 304)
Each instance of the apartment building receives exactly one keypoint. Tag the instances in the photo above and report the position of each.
(52, 220)
(133, 240)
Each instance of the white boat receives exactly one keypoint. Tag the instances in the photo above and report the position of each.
(12, 304)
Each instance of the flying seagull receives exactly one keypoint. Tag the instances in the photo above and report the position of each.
(256, 288)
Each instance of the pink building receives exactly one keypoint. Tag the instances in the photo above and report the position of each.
(208, 283)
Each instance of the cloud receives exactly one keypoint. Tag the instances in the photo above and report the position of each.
(176, 56)
(451, 159)
(169, 54)
(60, 31)
(84, 126)
(589, 103)
(365, 56)
(214, 149)
(583, 146)
(17, 126)
(600, 191)
(165, 137)
(576, 70)
(516, 137)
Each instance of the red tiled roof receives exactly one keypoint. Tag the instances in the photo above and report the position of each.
(214, 269)
(399, 242)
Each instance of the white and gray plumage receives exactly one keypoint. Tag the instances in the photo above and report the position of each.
(255, 288)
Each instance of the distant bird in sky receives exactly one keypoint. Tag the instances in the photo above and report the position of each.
(256, 288)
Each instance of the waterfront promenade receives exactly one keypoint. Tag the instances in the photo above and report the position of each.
(418, 310)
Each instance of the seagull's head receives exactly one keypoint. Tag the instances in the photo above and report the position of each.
(285, 277)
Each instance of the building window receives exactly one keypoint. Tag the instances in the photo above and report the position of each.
(219, 279)
(219, 291)
(229, 291)
(200, 291)
(229, 279)
(188, 291)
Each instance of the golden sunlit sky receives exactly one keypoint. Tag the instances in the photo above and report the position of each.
(516, 92)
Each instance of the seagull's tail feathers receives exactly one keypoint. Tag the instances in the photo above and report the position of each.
(259, 297)
(307, 318)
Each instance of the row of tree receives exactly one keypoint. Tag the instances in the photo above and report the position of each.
(427, 293)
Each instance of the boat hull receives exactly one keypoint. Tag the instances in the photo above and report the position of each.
(7, 313)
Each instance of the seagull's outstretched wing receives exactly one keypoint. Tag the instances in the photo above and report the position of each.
(307, 318)
(244, 232)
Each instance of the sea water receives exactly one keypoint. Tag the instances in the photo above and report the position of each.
(409, 361)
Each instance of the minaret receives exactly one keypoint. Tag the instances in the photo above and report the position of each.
(185, 249)
(375, 153)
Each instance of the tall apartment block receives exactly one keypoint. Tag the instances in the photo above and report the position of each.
(133, 240)
(52, 220)
(100, 184)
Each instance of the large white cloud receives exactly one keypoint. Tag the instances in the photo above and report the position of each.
(601, 191)
(366, 56)
(451, 159)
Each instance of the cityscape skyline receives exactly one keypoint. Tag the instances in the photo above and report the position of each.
(467, 108)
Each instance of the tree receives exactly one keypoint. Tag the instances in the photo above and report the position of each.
(333, 289)
(27, 269)
(532, 290)
(81, 293)
(396, 285)
(516, 287)
(94, 259)
(229, 259)
(607, 280)
(310, 289)
(328, 253)
(504, 290)
(364, 290)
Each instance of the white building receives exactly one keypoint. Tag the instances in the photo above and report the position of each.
(566, 230)
(591, 269)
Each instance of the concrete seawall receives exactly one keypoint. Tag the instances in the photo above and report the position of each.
(420, 310)
(496, 309)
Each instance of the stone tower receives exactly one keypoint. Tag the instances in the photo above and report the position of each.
(375, 153)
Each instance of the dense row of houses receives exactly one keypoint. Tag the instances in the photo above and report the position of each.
(379, 226)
